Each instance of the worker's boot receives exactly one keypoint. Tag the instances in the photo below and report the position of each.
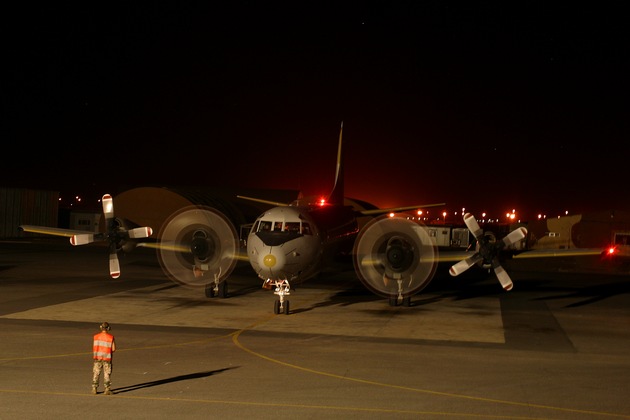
(108, 391)
(94, 390)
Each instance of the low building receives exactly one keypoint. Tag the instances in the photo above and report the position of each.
(588, 230)
(21, 206)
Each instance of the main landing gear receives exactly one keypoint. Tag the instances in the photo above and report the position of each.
(217, 289)
(282, 289)
(399, 299)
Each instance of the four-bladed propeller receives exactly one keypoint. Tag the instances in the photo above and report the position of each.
(116, 234)
(487, 251)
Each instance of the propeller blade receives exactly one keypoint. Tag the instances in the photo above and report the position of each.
(465, 264)
(473, 226)
(504, 278)
(85, 238)
(141, 232)
(108, 206)
(114, 265)
(515, 236)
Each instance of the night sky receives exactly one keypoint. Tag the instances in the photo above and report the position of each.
(492, 108)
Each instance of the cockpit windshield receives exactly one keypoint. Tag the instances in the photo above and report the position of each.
(279, 226)
(293, 227)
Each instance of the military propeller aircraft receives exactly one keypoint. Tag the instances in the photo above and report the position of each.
(393, 256)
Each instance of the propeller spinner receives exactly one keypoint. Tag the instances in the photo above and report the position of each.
(488, 251)
(116, 234)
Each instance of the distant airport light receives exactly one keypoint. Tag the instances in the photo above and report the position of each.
(511, 216)
(392, 214)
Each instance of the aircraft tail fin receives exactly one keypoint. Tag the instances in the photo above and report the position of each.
(337, 194)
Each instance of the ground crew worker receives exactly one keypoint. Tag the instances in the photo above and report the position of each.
(103, 349)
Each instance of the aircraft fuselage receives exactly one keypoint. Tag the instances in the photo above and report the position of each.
(292, 242)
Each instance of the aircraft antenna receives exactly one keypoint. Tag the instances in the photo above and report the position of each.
(337, 194)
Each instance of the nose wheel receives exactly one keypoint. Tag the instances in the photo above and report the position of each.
(281, 289)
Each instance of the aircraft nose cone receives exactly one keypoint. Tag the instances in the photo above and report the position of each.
(269, 261)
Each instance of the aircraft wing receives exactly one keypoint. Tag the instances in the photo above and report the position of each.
(260, 200)
(541, 253)
(170, 246)
(376, 212)
(453, 256)
(52, 231)
(450, 256)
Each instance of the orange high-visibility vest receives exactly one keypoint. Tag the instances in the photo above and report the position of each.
(103, 346)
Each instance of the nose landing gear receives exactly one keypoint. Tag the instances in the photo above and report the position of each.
(282, 289)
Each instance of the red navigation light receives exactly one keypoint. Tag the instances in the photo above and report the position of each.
(322, 202)
(610, 253)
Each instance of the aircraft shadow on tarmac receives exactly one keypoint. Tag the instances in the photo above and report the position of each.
(590, 294)
(467, 286)
(196, 375)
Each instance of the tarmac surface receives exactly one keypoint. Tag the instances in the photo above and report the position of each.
(555, 347)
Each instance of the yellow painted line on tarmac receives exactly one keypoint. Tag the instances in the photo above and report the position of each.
(235, 339)
(265, 404)
(261, 321)
(54, 356)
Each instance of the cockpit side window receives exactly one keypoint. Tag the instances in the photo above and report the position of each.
(306, 229)
(277, 227)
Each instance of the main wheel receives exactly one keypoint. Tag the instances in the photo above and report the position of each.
(223, 289)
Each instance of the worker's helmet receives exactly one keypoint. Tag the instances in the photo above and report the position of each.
(104, 326)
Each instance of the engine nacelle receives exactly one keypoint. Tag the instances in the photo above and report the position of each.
(198, 246)
(395, 257)
(125, 244)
